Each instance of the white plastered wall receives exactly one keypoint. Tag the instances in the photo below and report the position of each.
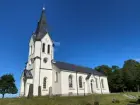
(47, 40)
(30, 55)
(21, 86)
(65, 83)
(65, 90)
(36, 68)
(56, 84)
(99, 89)
(84, 89)
(105, 89)
(45, 74)
(46, 68)
(28, 82)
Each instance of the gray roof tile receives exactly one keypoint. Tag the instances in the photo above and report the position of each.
(41, 27)
(28, 74)
(72, 67)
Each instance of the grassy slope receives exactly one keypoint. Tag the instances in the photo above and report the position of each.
(79, 100)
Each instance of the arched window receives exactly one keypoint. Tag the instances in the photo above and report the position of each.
(96, 82)
(44, 82)
(43, 47)
(48, 49)
(102, 83)
(91, 84)
(80, 82)
(70, 81)
(56, 77)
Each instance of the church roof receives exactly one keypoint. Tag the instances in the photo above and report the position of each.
(41, 29)
(28, 74)
(72, 67)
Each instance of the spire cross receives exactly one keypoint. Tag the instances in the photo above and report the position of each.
(44, 7)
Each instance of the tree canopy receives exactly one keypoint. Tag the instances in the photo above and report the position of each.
(7, 85)
(126, 78)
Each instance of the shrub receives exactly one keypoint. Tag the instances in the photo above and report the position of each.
(138, 101)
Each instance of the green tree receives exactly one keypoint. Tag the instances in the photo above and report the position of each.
(137, 79)
(121, 79)
(117, 80)
(115, 68)
(7, 85)
(131, 73)
(104, 69)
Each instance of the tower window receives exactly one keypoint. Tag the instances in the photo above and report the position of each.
(48, 49)
(43, 48)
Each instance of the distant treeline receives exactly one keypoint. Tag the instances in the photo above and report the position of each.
(122, 79)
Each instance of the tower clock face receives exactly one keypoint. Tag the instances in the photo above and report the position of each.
(45, 60)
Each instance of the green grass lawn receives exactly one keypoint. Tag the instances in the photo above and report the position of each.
(75, 100)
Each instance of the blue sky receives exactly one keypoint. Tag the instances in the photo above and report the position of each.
(90, 32)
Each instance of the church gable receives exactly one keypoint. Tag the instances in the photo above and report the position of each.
(47, 40)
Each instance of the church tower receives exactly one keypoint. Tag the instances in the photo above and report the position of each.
(40, 57)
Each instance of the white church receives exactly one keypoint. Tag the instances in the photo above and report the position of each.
(43, 75)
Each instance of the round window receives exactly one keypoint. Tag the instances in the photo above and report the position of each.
(45, 60)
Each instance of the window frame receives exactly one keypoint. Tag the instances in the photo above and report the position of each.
(80, 82)
(44, 82)
(48, 49)
(43, 47)
(96, 82)
(70, 81)
(102, 83)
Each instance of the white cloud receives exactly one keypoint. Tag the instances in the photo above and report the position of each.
(137, 59)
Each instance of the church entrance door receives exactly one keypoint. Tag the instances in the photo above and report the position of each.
(30, 93)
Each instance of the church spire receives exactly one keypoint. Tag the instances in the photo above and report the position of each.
(41, 27)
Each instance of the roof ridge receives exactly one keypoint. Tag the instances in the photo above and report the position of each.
(73, 67)
(75, 64)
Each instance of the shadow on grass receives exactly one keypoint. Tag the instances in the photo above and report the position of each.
(132, 103)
